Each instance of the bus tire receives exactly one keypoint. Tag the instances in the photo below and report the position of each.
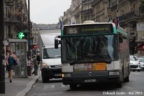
(121, 79)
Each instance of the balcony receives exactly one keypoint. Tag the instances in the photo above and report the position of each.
(113, 5)
(95, 2)
(11, 19)
(88, 11)
(87, 2)
(128, 16)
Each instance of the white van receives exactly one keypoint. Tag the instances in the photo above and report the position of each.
(51, 57)
(51, 63)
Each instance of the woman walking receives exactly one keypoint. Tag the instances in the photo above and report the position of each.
(11, 64)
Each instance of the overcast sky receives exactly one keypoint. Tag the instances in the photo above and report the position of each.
(48, 11)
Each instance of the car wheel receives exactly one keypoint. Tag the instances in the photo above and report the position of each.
(138, 70)
(45, 78)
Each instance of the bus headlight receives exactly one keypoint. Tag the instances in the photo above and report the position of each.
(114, 73)
(66, 75)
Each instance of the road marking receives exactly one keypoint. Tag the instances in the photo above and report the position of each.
(130, 88)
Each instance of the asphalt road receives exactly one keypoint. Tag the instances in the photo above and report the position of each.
(55, 88)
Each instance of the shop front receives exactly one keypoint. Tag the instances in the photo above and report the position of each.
(20, 48)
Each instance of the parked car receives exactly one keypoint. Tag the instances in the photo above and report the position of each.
(134, 63)
(141, 60)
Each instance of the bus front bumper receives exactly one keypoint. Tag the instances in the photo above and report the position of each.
(90, 77)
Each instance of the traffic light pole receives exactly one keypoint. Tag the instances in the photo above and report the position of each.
(2, 72)
(29, 28)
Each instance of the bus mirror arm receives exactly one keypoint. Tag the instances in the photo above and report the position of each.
(56, 43)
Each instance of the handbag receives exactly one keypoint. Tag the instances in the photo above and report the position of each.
(15, 62)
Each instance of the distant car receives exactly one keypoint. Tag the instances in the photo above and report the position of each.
(141, 60)
(134, 63)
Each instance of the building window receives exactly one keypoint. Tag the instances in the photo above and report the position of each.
(110, 3)
(9, 31)
(8, 12)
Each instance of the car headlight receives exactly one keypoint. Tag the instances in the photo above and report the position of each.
(45, 65)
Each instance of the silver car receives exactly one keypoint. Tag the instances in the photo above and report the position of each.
(141, 60)
(134, 64)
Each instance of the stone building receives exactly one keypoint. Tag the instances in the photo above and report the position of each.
(131, 18)
(73, 14)
(100, 10)
(15, 21)
(86, 10)
(35, 31)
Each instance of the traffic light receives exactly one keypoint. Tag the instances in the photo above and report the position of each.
(21, 35)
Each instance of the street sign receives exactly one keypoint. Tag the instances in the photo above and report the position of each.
(21, 35)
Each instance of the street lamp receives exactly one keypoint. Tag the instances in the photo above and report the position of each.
(2, 72)
(29, 28)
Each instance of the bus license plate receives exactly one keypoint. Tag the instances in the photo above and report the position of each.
(90, 80)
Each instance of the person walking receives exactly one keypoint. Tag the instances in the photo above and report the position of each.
(29, 66)
(38, 58)
(11, 62)
(36, 64)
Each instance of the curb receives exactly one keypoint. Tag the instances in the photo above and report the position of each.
(28, 86)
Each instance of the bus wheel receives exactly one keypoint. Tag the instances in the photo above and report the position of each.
(120, 81)
(73, 86)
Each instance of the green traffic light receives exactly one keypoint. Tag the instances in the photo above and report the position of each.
(21, 35)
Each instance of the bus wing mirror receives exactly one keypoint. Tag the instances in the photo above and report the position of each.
(120, 39)
(56, 43)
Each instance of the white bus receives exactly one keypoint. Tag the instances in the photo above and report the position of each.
(93, 53)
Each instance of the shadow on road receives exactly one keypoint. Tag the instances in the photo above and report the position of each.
(96, 87)
(52, 81)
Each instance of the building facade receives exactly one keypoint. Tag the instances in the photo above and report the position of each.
(73, 14)
(86, 10)
(35, 32)
(100, 10)
(15, 21)
(131, 18)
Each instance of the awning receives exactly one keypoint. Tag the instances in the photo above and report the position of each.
(17, 40)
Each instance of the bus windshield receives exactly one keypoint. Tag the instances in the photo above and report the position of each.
(51, 53)
(89, 49)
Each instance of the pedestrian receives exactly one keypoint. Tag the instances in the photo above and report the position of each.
(11, 62)
(36, 64)
(38, 58)
(29, 66)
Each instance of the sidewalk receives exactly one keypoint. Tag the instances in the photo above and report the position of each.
(19, 86)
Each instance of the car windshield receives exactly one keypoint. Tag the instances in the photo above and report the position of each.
(89, 49)
(141, 60)
(51, 53)
(133, 58)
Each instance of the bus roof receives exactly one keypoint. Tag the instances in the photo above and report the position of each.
(118, 30)
(90, 24)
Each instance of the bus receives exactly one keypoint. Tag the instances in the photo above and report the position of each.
(94, 52)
